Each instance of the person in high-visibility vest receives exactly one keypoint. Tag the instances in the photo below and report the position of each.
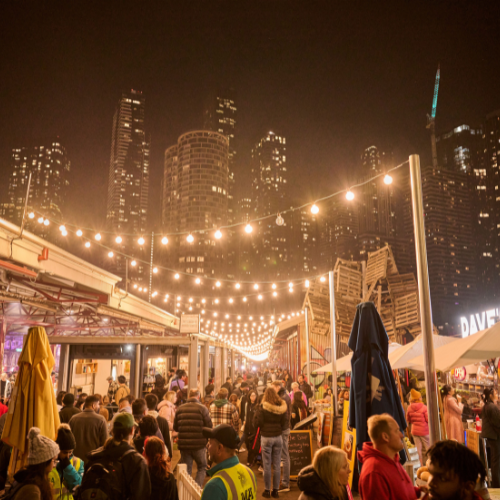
(229, 480)
(68, 471)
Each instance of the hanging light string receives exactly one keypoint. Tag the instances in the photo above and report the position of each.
(313, 205)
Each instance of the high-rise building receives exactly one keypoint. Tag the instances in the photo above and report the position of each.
(195, 196)
(304, 244)
(245, 210)
(271, 196)
(49, 167)
(462, 150)
(491, 138)
(128, 184)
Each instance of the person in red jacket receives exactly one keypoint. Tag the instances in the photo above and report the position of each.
(418, 420)
(382, 476)
(456, 472)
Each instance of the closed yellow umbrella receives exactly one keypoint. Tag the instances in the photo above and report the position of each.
(33, 403)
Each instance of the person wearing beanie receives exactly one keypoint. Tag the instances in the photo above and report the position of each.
(68, 472)
(32, 483)
(136, 483)
(418, 423)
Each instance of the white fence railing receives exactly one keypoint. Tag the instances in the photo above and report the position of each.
(187, 487)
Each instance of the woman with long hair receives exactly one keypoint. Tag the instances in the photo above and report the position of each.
(163, 484)
(271, 418)
(452, 414)
(328, 476)
(299, 410)
(166, 409)
(81, 401)
(182, 397)
(33, 481)
(490, 416)
(249, 429)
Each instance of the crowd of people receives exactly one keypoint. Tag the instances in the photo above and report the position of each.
(122, 446)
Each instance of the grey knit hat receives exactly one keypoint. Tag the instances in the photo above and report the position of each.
(40, 448)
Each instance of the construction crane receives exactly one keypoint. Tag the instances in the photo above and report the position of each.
(431, 119)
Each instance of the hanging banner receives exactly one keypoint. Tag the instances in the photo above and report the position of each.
(349, 441)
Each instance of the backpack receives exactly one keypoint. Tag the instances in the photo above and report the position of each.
(104, 480)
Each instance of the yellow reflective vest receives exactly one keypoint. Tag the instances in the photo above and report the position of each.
(239, 481)
(59, 490)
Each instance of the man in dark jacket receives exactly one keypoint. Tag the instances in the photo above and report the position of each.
(228, 385)
(305, 388)
(69, 409)
(285, 436)
(209, 396)
(136, 484)
(190, 418)
(245, 389)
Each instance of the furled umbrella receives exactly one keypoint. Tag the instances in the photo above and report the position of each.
(32, 403)
(373, 389)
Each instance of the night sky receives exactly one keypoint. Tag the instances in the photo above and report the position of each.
(333, 77)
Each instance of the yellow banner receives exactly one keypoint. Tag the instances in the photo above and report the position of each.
(349, 441)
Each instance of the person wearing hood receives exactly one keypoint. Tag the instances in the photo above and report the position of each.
(32, 483)
(68, 471)
(328, 476)
(271, 417)
(418, 420)
(382, 475)
(166, 409)
(249, 430)
(223, 412)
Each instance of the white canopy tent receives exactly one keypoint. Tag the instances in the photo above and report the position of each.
(344, 363)
(466, 351)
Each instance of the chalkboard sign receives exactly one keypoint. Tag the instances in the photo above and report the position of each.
(300, 449)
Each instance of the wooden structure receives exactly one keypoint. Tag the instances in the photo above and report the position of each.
(378, 280)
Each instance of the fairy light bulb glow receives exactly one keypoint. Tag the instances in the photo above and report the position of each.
(40, 220)
(79, 233)
(62, 228)
(31, 215)
(87, 244)
(164, 240)
(248, 229)
(176, 276)
(387, 179)
(314, 209)
(118, 239)
(133, 263)
(110, 254)
(155, 270)
(218, 234)
(307, 283)
(141, 241)
(322, 279)
(217, 284)
(197, 281)
(256, 287)
(98, 237)
(349, 195)
(46, 222)
(190, 238)
(237, 286)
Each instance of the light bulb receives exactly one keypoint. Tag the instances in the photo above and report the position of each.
(46, 222)
(231, 301)
(79, 233)
(141, 241)
(62, 228)
(260, 297)
(274, 286)
(40, 220)
(290, 285)
(218, 234)
(87, 244)
(237, 286)
(314, 209)
(248, 229)
(31, 215)
(387, 179)
(155, 270)
(98, 237)
(190, 238)
(244, 299)
(256, 287)
(64, 233)
(349, 195)
(217, 284)
(197, 281)
(133, 263)
(307, 283)
(110, 254)
(164, 240)
(176, 276)
(118, 239)
(322, 279)
(275, 294)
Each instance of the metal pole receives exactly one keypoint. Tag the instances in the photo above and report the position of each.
(25, 205)
(137, 373)
(424, 298)
(308, 348)
(333, 333)
(126, 274)
(151, 265)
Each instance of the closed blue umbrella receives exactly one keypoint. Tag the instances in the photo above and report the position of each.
(373, 389)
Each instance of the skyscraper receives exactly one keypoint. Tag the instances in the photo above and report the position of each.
(49, 167)
(270, 196)
(128, 185)
(195, 196)
(462, 150)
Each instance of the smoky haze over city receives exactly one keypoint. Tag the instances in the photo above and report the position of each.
(328, 80)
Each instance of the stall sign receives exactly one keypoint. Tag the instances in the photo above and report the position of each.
(190, 323)
(348, 443)
(477, 322)
(460, 374)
